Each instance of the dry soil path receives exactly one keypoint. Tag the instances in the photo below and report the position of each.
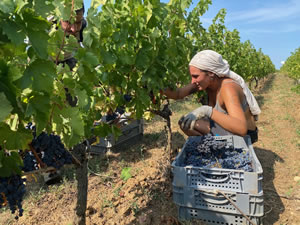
(278, 150)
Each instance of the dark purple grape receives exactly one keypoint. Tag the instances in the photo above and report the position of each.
(51, 151)
(207, 152)
(13, 189)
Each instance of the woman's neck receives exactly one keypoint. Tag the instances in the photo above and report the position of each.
(215, 84)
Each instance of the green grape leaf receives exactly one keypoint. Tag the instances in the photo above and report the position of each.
(40, 74)
(10, 164)
(88, 39)
(39, 41)
(14, 32)
(14, 140)
(39, 106)
(57, 124)
(77, 125)
(71, 43)
(71, 139)
(126, 173)
(20, 4)
(148, 12)
(62, 9)
(74, 120)
(102, 130)
(108, 57)
(43, 8)
(97, 3)
(7, 6)
(6, 107)
(14, 73)
(142, 59)
(116, 131)
(69, 125)
(155, 34)
(116, 36)
(83, 98)
(8, 88)
(91, 59)
(43, 81)
(78, 4)
(3, 38)
(41, 121)
(126, 58)
(34, 22)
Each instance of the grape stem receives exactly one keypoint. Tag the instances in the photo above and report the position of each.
(218, 163)
(4, 199)
(43, 165)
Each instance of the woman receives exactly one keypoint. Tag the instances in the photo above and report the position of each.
(231, 109)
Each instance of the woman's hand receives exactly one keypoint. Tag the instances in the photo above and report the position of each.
(188, 121)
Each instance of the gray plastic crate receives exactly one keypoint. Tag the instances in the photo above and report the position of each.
(223, 179)
(215, 218)
(129, 132)
(250, 205)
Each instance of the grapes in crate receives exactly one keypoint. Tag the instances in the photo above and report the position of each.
(207, 152)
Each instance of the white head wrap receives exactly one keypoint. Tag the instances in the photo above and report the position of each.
(212, 61)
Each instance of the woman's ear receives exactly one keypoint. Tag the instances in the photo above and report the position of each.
(211, 75)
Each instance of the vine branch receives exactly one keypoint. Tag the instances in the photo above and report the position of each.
(43, 165)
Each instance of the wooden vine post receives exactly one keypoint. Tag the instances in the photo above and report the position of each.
(166, 113)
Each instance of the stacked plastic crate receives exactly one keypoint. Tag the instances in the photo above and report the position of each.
(218, 195)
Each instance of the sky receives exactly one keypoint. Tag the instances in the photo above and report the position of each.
(272, 25)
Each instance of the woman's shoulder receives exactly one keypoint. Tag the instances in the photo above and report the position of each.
(228, 83)
(230, 87)
(227, 80)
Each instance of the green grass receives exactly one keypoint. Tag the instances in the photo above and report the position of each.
(290, 191)
(289, 118)
(106, 203)
(135, 208)
(296, 89)
(298, 131)
(117, 191)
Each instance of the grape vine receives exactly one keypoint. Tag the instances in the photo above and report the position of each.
(292, 68)
(127, 45)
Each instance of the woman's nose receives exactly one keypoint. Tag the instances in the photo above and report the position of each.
(73, 28)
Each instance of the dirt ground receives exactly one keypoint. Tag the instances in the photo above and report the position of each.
(146, 197)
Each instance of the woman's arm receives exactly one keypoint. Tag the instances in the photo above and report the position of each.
(180, 93)
(235, 122)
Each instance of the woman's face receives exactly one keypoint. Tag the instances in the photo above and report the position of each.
(75, 27)
(200, 78)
